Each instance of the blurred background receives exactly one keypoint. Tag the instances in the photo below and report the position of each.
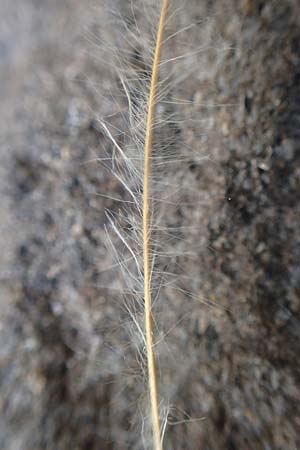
(69, 378)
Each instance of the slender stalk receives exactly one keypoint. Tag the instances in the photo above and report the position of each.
(152, 372)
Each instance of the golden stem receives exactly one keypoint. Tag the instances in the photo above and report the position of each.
(152, 372)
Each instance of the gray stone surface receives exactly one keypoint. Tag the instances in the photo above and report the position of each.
(70, 375)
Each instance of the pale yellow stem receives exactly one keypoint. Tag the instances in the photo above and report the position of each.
(152, 372)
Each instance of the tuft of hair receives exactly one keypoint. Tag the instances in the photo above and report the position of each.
(126, 44)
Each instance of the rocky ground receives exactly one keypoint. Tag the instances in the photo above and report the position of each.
(69, 374)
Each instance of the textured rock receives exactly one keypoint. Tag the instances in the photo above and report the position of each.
(68, 376)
